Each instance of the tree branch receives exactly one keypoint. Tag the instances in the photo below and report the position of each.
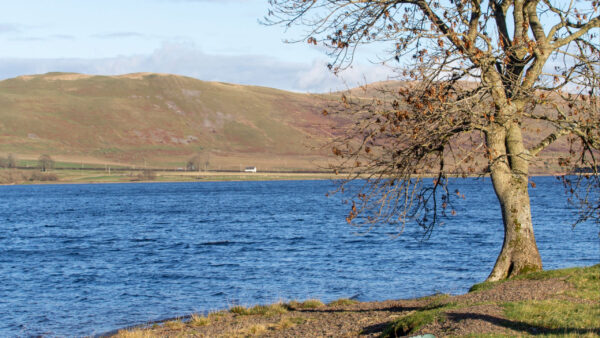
(548, 141)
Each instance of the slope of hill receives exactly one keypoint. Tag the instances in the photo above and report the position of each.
(160, 120)
(163, 120)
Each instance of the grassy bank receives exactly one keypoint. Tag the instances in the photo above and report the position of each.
(34, 176)
(551, 303)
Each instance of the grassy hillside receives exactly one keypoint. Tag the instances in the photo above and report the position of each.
(159, 120)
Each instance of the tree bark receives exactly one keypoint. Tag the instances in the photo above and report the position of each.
(509, 171)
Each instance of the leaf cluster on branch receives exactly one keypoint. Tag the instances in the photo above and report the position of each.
(476, 73)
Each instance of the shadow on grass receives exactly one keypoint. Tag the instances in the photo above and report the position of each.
(518, 325)
(383, 309)
(523, 327)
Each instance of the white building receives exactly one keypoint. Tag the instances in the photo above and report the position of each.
(250, 170)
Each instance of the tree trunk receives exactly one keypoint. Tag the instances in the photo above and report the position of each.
(519, 251)
(509, 171)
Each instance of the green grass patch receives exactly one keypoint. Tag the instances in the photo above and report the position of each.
(556, 316)
(261, 310)
(307, 304)
(343, 302)
(484, 286)
(435, 301)
(413, 322)
(585, 281)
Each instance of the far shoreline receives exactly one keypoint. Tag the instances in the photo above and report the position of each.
(123, 177)
(103, 177)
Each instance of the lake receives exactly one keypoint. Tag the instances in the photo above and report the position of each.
(86, 259)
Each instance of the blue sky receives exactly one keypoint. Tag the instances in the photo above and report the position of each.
(214, 40)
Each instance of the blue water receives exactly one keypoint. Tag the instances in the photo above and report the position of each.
(86, 259)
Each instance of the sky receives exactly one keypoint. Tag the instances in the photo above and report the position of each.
(212, 40)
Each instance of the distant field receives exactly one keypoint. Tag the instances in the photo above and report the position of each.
(23, 176)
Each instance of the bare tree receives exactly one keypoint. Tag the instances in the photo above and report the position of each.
(11, 161)
(45, 162)
(198, 162)
(476, 73)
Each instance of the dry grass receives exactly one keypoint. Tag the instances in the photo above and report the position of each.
(307, 304)
(135, 333)
(343, 302)
(174, 325)
(257, 329)
(197, 320)
(288, 322)
(261, 310)
(13, 176)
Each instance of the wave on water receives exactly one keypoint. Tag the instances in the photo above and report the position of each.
(216, 243)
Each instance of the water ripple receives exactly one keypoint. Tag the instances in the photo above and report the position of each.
(84, 259)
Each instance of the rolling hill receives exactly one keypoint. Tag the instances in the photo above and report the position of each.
(162, 120)
(159, 120)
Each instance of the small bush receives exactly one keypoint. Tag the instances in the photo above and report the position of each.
(43, 177)
(12, 176)
(145, 175)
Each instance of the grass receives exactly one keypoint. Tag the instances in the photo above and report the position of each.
(307, 304)
(257, 329)
(288, 322)
(137, 333)
(197, 320)
(413, 322)
(555, 316)
(577, 316)
(174, 324)
(12, 176)
(343, 302)
(570, 313)
(261, 310)
(585, 281)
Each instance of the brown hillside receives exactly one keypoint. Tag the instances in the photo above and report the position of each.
(163, 120)
(160, 119)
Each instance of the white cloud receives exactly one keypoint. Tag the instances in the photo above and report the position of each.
(9, 28)
(118, 35)
(186, 59)
(318, 77)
